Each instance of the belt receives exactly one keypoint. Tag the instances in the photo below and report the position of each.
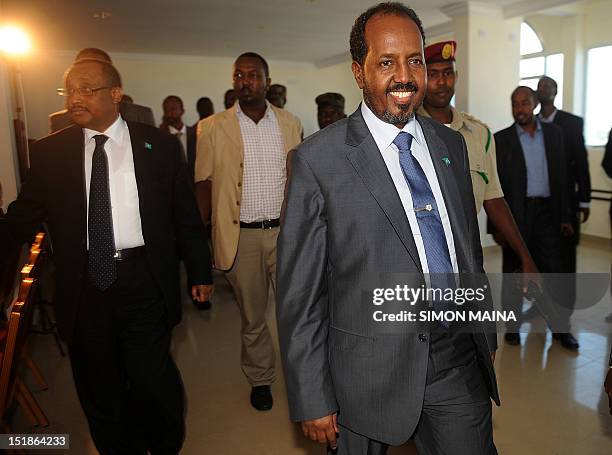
(129, 253)
(265, 224)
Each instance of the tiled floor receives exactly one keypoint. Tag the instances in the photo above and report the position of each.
(552, 399)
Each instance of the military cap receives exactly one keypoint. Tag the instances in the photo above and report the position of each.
(330, 99)
(443, 51)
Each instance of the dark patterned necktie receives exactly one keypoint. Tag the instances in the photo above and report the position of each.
(101, 268)
(428, 219)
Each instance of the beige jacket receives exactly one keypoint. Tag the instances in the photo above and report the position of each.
(219, 158)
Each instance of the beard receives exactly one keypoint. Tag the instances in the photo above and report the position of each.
(399, 119)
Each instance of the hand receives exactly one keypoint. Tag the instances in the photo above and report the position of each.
(608, 388)
(585, 212)
(530, 274)
(202, 292)
(492, 356)
(567, 229)
(500, 239)
(322, 430)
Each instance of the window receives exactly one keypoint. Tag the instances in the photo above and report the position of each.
(533, 68)
(598, 97)
(530, 43)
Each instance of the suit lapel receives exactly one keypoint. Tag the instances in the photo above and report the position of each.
(141, 147)
(450, 191)
(230, 126)
(370, 166)
(75, 166)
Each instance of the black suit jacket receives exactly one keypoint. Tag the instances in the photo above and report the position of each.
(513, 173)
(54, 191)
(578, 176)
(191, 151)
(607, 161)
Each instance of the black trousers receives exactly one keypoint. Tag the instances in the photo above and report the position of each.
(543, 240)
(456, 414)
(127, 383)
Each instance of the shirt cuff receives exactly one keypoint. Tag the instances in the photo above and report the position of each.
(584, 205)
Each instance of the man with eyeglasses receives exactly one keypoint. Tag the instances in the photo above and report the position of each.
(130, 111)
(240, 176)
(117, 201)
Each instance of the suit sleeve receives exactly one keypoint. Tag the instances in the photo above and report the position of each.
(204, 159)
(29, 210)
(607, 160)
(566, 190)
(302, 297)
(583, 176)
(190, 232)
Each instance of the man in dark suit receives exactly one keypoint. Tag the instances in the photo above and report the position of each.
(578, 176)
(118, 204)
(130, 112)
(172, 123)
(532, 170)
(383, 191)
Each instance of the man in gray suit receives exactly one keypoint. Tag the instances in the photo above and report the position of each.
(383, 191)
(130, 112)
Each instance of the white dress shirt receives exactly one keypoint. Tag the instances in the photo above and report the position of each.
(384, 133)
(122, 183)
(265, 167)
(182, 137)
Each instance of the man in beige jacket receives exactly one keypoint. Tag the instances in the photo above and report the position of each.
(240, 176)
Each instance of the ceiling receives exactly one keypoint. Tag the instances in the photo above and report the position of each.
(293, 30)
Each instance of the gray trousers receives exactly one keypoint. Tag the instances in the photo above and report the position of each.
(456, 414)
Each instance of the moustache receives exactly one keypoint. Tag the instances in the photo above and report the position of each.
(409, 87)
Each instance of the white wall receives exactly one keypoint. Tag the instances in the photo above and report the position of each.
(8, 169)
(150, 78)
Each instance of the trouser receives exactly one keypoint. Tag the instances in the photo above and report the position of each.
(456, 414)
(128, 385)
(543, 240)
(251, 275)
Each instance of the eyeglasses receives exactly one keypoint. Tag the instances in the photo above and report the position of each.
(83, 91)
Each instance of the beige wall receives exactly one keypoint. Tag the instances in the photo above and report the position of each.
(150, 78)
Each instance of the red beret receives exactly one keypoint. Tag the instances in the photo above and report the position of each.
(443, 51)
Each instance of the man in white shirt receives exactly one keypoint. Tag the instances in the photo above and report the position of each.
(119, 207)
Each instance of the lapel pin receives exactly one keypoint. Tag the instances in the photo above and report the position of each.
(148, 146)
(446, 161)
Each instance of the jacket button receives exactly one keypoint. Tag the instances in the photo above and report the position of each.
(239, 183)
(235, 222)
(422, 338)
(241, 165)
(237, 202)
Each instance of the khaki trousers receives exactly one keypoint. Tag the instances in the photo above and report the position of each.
(250, 277)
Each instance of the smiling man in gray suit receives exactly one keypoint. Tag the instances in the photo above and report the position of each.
(353, 211)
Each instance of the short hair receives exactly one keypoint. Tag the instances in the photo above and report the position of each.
(551, 80)
(256, 56)
(173, 98)
(89, 51)
(281, 86)
(109, 72)
(357, 42)
(529, 89)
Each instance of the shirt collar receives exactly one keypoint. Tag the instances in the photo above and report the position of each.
(384, 133)
(550, 118)
(521, 131)
(268, 114)
(173, 130)
(115, 132)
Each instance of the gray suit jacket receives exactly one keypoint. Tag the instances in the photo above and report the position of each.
(344, 223)
(129, 111)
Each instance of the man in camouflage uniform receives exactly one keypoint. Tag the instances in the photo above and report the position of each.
(441, 78)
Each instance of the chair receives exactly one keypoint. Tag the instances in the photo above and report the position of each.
(12, 389)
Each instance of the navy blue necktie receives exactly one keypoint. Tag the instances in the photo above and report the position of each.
(101, 268)
(428, 219)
